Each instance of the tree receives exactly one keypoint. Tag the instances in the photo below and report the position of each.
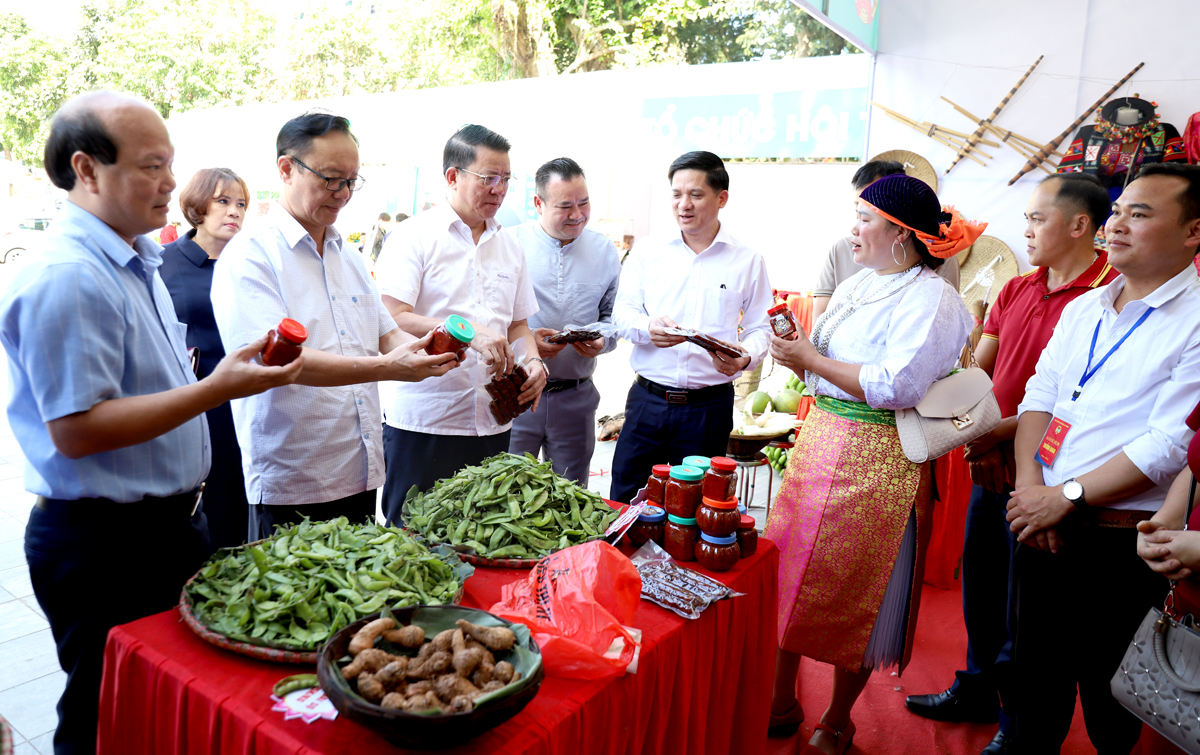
(32, 85)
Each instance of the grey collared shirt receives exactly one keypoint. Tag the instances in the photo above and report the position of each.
(575, 284)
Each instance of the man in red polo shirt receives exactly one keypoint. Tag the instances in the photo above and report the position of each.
(1063, 216)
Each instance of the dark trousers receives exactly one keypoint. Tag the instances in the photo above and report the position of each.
(1076, 612)
(94, 566)
(225, 503)
(986, 560)
(656, 432)
(357, 508)
(422, 459)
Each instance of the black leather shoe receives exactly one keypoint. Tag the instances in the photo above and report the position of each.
(951, 706)
(1001, 744)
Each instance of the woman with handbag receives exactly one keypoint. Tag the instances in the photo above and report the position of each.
(852, 515)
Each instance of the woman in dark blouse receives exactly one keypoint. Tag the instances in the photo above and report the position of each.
(214, 204)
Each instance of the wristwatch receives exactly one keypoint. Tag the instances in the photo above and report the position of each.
(1072, 490)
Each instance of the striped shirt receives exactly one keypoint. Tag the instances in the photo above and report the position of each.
(91, 320)
(303, 444)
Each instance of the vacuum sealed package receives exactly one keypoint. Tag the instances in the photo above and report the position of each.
(709, 343)
(674, 587)
(580, 333)
(503, 390)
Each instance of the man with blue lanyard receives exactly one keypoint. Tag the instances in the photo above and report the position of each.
(103, 400)
(1100, 438)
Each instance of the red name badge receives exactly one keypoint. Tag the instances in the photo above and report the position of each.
(1052, 441)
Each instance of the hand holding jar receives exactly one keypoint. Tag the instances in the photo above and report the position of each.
(238, 375)
(409, 362)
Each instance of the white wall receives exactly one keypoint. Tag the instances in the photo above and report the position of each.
(974, 53)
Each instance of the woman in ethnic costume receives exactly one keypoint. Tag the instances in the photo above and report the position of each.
(852, 515)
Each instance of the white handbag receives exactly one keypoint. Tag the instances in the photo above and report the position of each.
(957, 409)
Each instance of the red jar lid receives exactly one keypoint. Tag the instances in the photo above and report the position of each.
(292, 330)
(730, 504)
(723, 463)
(747, 523)
(777, 309)
(662, 470)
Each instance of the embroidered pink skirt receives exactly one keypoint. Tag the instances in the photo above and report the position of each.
(839, 520)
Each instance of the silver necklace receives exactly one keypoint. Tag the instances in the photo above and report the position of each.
(829, 322)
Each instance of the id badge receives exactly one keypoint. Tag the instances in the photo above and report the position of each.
(1052, 441)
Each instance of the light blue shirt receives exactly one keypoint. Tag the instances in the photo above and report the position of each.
(303, 444)
(90, 321)
(575, 285)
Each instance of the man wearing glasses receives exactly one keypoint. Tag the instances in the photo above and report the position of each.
(314, 449)
(452, 260)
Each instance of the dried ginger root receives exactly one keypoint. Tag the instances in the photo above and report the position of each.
(410, 636)
(492, 686)
(495, 638)
(443, 640)
(371, 659)
(370, 688)
(420, 688)
(487, 654)
(450, 686)
(461, 704)
(393, 674)
(423, 702)
(504, 672)
(365, 637)
(483, 674)
(394, 700)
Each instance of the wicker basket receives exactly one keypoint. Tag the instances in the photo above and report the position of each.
(413, 730)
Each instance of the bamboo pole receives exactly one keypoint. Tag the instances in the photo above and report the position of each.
(933, 131)
(1052, 145)
(983, 124)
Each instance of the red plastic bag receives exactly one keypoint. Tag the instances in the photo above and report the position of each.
(576, 603)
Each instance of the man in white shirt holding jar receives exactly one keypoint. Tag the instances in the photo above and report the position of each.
(701, 277)
(453, 260)
(1100, 438)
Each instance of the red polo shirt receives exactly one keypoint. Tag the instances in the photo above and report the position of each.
(1022, 319)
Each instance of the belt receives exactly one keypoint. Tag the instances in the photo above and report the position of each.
(685, 395)
(186, 503)
(554, 386)
(1113, 518)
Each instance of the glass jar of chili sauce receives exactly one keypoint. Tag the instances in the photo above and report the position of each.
(783, 322)
(699, 462)
(284, 343)
(649, 526)
(656, 483)
(720, 481)
(680, 536)
(451, 337)
(683, 491)
(747, 536)
(718, 517)
(717, 553)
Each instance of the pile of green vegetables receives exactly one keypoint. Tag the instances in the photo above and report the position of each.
(295, 589)
(508, 507)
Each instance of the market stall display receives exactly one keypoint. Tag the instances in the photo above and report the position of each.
(283, 597)
(702, 687)
(510, 508)
(431, 677)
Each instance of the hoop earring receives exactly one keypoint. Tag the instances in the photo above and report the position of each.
(902, 252)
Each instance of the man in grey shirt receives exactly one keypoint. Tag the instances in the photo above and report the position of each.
(840, 265)
(575, 272)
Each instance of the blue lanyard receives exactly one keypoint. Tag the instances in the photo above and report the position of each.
(1088, 372)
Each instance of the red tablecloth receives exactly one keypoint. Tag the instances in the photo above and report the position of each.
(702, 686)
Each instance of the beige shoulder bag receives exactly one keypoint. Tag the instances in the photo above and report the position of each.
(957, 409)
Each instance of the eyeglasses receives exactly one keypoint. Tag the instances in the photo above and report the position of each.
(333, 184)
(490, 181)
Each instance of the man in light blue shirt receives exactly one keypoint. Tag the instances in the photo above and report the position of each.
(575, 274)
(103, 400)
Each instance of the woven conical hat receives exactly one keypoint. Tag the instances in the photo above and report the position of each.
(914, 165)
(983, 254)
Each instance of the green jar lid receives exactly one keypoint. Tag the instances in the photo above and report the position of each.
(691, 474)
(699, 462)
(460, 328)
(681, 520)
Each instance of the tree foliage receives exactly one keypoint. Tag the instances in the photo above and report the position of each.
(185, 54)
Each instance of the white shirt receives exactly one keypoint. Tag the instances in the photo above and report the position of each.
(904, 342)
(303, 444)
(1138, 400)
(706, 292)
(432, 262)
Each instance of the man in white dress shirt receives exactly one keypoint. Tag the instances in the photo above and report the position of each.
(314, 448)
(702, 277)
(453, 260)
(1100, 438)
(575, 273)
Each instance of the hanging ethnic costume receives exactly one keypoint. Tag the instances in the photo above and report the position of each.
(852, 518)
(1101, 149)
